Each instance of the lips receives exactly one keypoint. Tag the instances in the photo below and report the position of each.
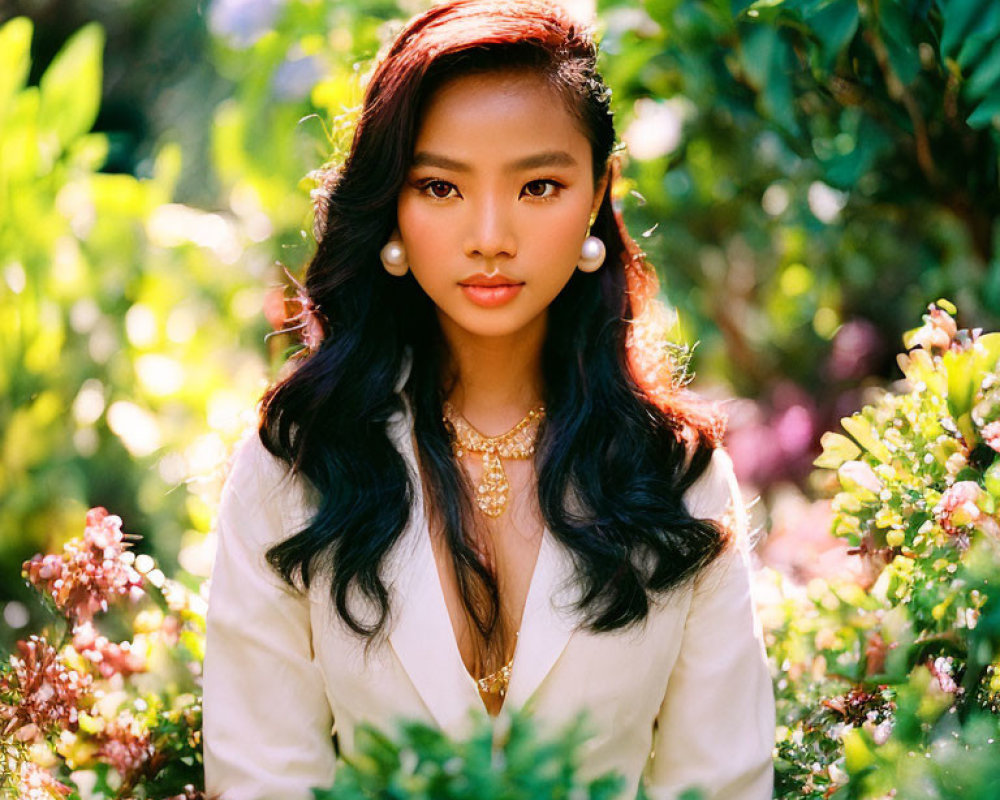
(492, 280)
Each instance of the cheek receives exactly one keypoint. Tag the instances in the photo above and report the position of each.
(555, 239)
(425, 235)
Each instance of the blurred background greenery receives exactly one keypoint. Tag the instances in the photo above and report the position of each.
(806, 174)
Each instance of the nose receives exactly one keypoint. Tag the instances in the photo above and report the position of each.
(491, 233)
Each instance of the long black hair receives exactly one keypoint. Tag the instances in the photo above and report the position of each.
(612, 463)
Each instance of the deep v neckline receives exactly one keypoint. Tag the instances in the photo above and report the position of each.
(442, 602)
(421, 634)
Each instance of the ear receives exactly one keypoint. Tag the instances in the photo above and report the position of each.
(599, 191)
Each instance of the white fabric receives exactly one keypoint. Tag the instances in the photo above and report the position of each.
(683, 700)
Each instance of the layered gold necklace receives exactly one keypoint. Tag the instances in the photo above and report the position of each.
(493, 492)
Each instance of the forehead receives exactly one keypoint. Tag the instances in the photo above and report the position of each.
(496, 116)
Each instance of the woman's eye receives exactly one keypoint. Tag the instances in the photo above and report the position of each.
(541, 189)
(438, 189)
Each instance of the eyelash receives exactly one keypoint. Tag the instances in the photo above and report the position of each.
(424, 187)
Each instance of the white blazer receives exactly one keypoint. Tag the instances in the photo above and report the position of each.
(684, 700)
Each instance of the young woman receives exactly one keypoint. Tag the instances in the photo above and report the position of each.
(485, 486)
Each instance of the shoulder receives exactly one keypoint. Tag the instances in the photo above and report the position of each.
(715, 490)
(716, 495)
(252, 466)
(263, 485)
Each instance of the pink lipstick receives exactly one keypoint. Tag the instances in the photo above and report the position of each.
(490, 291)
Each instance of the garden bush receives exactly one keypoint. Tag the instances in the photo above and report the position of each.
(890, 686)
(130, 330)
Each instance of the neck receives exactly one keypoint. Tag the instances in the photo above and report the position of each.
(494, 380)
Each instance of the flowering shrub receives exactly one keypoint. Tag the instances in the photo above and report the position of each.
(85, 716)
(891, 687)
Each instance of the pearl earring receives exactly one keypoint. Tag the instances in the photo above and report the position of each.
(393, 256)
(591, 254)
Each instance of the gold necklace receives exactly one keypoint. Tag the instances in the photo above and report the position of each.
(498, 682)
(518, 442)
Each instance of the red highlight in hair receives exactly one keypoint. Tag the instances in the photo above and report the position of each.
(462, 25)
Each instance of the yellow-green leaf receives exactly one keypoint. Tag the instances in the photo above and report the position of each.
(857, 755)
(864, 434)
(15, 58)
(962, 383)
(71, 86)
(836, 450)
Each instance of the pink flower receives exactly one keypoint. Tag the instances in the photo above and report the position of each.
(991, 435)
(126, 745)
(34, 783)
(90, 571)
(46, 693)
(943, 671)
(938, 331)
(108, 657)
(958, 511)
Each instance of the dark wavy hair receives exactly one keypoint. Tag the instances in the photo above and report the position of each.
(621, 441)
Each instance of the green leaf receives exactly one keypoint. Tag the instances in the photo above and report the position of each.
(71, 86)
(836, 450)
(985, 79)
(834, 25)
(843, 171)
(739, 6)
(857, 754)
(987, 350)
(15, 58)
(767, 62)
(897, 26)
(19, 145)
(958, 18)
(986, 32)
(987, 112)
(991, 479)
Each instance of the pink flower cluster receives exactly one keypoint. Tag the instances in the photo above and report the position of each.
(991, 435)
(89, 571)
(938, 332)
(126, 745)
(943, 670)
(45, 693)
(34, 783)
(108, 657)
(958, 511)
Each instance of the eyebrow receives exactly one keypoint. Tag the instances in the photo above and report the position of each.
(548, 158)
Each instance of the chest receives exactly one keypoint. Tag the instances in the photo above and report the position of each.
(512, 541)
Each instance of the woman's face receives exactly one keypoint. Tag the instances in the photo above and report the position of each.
(501, 181)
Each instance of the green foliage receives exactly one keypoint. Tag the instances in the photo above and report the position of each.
(802, 162)
(298, 89)
(900, 684)
(122, 323)
(504, 760)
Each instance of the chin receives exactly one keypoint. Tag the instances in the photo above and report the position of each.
(491, 323)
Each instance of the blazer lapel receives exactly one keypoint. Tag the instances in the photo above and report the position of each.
(420, 632)
(546, 625)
